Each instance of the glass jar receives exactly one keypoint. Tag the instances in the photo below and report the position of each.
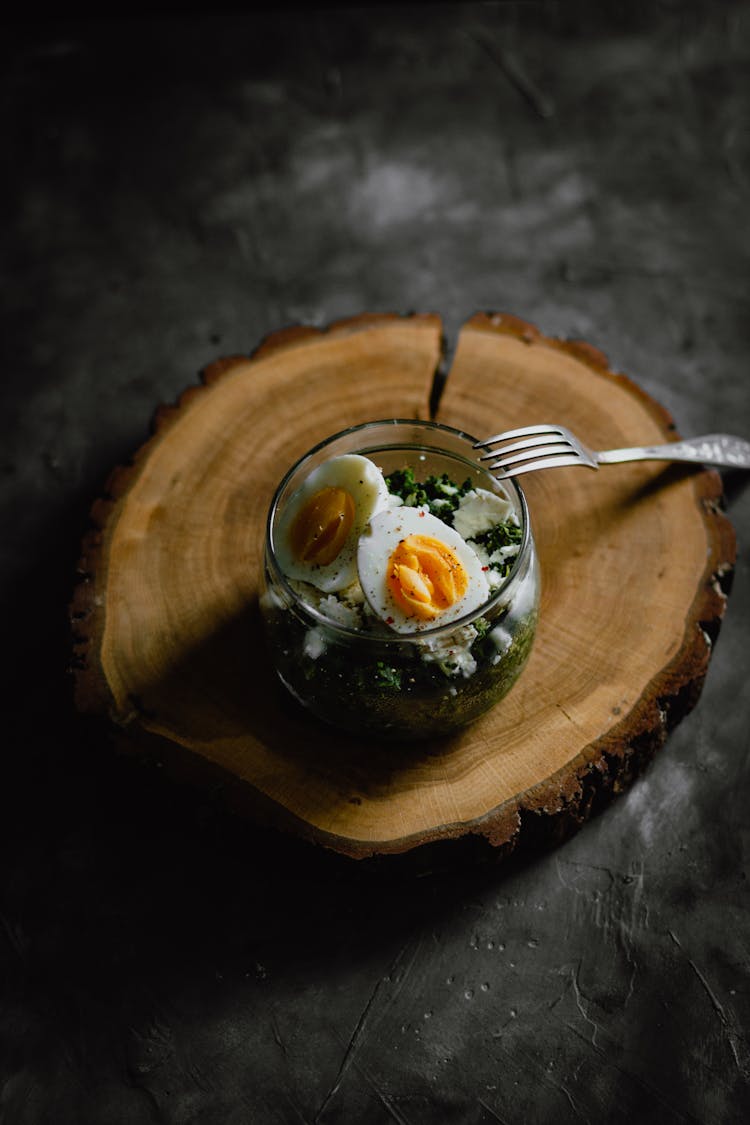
(371, 680)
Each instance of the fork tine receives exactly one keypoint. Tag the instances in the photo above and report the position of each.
(524, 431)
(543, 451)
(557, 462)
(538, 442)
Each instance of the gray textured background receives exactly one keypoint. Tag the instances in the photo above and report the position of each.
(174, 189)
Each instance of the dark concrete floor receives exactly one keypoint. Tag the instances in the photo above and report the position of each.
(174, 189)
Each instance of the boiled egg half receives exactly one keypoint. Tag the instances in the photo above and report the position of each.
(416, 572)
(316, 538)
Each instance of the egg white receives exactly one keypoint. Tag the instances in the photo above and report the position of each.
(385, 531)
(364, 482)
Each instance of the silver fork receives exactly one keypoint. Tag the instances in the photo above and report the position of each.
(550, 447)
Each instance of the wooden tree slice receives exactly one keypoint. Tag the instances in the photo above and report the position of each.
(168, 636)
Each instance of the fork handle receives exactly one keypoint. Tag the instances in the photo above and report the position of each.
(722, 450)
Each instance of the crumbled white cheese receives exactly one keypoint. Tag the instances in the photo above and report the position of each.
(478, 511)
(338, 611)
(452, 651)
(494, 577)
(353, 595)
(481, 552)
(341, 608)
(502, 554)
(314, 644)
(502, 641)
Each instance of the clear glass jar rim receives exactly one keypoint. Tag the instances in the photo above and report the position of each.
(437, 631)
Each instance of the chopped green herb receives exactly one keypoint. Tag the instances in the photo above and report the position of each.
(504, 534)
(482, 627)
(440, 494)
(387, 677)
(403, 483)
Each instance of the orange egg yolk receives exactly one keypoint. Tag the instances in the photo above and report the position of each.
(321, 526)
(425, 577)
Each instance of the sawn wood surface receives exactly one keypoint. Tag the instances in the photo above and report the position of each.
(635, 563)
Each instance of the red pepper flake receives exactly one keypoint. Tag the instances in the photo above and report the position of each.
(389, 620)
(485, 568)
(421, 515)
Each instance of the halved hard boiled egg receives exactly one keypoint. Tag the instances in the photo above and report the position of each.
(416, 572)
(316, 539)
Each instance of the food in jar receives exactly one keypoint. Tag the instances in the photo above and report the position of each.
(395, 604)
